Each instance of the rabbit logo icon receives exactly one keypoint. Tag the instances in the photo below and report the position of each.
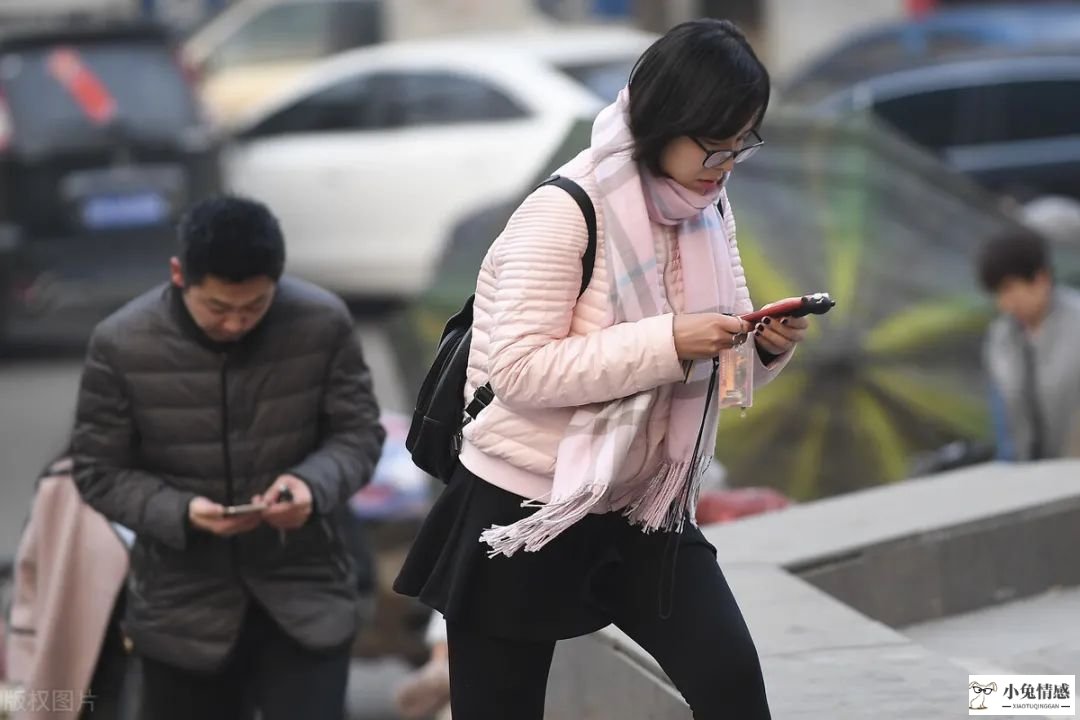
(979, 693)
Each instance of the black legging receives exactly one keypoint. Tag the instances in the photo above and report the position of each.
(704, 646)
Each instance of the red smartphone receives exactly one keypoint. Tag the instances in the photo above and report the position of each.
(816, 304)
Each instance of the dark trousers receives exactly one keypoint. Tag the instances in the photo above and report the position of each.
(267, 670)
(704, 647)
(113, 686)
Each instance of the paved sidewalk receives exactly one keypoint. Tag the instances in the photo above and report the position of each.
(1035, 636)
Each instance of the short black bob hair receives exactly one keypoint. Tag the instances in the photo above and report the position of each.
(701, 79)
(232, 238)
(1014, 254)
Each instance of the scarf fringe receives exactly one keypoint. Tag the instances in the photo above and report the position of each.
(540, 528)
(670, 497)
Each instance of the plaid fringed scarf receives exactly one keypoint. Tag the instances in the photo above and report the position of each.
(635, 206)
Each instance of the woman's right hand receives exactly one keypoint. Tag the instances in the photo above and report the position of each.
(699, 336)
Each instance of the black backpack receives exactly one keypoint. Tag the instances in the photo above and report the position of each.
(434, 438)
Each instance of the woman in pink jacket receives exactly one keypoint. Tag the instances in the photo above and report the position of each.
(572, 507)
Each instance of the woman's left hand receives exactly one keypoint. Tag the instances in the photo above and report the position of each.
(780, 335)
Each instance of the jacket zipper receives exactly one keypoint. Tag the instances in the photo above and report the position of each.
(225, 430)
(230, 499)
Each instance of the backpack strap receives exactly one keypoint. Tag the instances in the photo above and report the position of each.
(484, 394)
(588, 260)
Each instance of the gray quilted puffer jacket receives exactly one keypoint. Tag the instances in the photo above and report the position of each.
(165, 414)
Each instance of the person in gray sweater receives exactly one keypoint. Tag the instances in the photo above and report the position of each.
(1032, 350)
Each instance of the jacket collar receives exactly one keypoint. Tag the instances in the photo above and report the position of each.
(190, 330)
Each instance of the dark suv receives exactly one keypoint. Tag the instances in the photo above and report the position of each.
(1010, 120)
(102, 144)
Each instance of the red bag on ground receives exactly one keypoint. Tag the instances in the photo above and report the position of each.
(717, 506)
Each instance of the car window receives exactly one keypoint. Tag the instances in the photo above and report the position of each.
(345, 106)
(1034, 110)
(931, 119)
(137, 86)
(605, 79)
(977, 115)
(392, 100)
(299, 31)
(444, 98)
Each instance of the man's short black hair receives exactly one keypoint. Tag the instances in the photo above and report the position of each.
(1015, 254)
(701, 79)
(233, 238)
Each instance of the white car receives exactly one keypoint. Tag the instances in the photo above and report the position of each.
(253, 49)
(375, 155)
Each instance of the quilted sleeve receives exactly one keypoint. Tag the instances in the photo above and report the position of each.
(534, 362)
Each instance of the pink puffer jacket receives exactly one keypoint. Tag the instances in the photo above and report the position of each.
(545, 351)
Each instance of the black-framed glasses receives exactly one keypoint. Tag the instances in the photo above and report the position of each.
(716, 158)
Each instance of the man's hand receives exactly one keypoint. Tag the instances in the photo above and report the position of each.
(209, 516)
(289, 515)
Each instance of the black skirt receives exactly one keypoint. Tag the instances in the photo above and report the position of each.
(573, 586)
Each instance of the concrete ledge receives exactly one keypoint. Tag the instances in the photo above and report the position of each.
(843, 525)
(926, 548)
(820, 584)
(971, 566)
(598, 677)
(820, 658)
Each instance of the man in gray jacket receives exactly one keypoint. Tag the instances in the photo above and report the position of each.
(1032, 350)
(230, 386)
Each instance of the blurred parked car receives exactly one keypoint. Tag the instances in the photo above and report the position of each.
(101, 146)
(934, 37)
(255, 48)
(1010, 120)
(373, 157)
